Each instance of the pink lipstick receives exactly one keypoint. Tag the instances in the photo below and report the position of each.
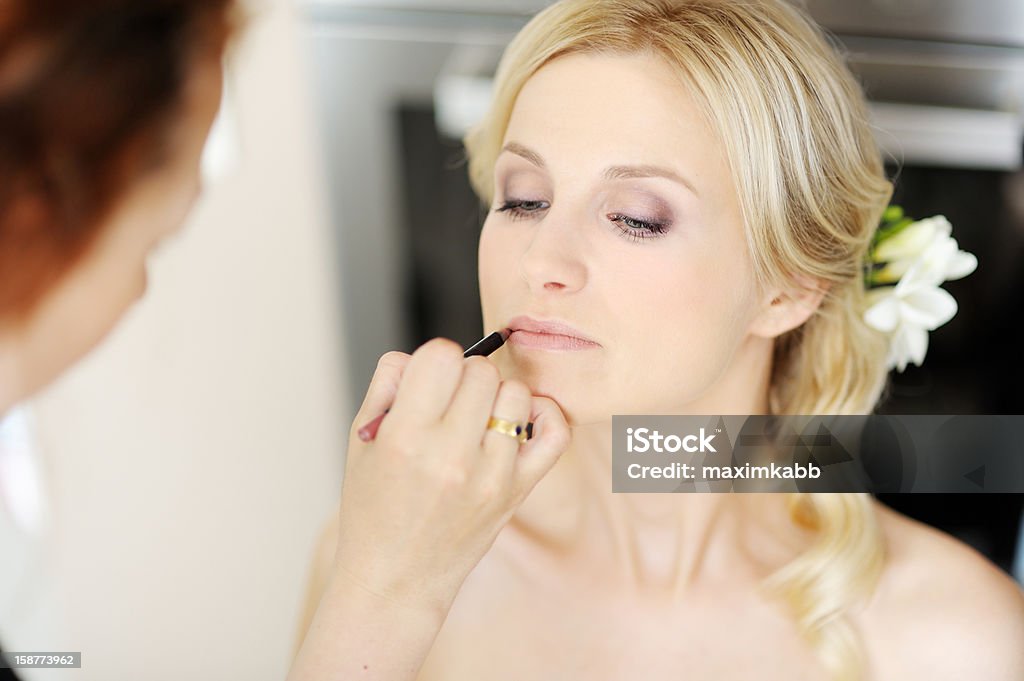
(551, 335)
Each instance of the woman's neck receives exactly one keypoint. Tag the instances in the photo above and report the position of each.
(649, 539)
(669, 540)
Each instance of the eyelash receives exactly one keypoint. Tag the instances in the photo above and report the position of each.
(630, 228)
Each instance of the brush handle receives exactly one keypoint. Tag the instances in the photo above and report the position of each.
(369, 431)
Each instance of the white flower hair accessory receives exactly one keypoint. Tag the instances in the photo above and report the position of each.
(907, 262)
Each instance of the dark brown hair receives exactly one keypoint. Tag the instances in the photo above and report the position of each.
(89, 94)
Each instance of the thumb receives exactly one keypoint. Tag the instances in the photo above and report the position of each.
(551, 437)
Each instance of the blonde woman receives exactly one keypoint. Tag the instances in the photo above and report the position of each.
(681, 193)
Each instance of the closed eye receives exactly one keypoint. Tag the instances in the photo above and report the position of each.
(517, 209)
(630, 228)
(637, 230)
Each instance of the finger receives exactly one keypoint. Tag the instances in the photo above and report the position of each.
(498, 461)
(428, 383)
(551, 437)
(473, 401)
(383, 386)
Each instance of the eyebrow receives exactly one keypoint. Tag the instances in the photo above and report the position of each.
(621, 172)
(525, 152)
(631, 172)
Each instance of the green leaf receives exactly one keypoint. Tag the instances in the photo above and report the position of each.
(893, 222)
(892, 214)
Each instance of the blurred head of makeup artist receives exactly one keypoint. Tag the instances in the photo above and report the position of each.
(105, 107)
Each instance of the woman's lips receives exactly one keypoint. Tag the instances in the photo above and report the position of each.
(548, 341)
(551, 334)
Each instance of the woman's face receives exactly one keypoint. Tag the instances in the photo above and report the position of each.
(614, 212)
(87, 302)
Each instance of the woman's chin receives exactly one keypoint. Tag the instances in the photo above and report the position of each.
(559, 383)
(575, 408)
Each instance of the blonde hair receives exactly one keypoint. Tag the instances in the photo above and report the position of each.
(811, 187)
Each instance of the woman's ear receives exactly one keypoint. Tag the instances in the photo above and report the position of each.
(782, 310)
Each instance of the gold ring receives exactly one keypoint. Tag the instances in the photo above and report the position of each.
(516, 430)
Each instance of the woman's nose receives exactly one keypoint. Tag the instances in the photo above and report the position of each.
(554, 257)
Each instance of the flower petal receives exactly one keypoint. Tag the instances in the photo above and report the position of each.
(884, 313)
(962, 264)
(908, 242)
(937, 256)
(892, 272)
(898, 351)
(908, 344)
(917, 344)
(929, 308)
(918, 275)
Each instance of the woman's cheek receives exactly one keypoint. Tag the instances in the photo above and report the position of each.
(496, 262)
(685, 342)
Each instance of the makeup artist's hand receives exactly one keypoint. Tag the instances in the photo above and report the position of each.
(424, 501)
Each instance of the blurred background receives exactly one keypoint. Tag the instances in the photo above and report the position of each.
(197, 453)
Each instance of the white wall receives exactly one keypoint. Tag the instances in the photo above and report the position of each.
(191, 459)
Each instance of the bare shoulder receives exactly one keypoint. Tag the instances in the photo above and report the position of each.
(942, 610)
